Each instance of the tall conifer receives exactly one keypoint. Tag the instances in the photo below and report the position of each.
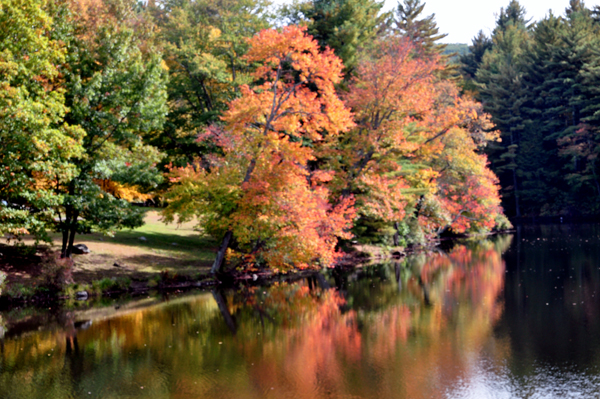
(346, 26)
(423, 32)
(504, 93)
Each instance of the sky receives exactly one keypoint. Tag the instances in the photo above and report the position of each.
(462, 19)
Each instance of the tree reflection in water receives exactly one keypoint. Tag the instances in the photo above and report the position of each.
(399, 330)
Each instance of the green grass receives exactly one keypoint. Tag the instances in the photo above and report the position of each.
(163, 239)
(178, 249)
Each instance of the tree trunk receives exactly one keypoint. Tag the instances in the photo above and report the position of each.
(72, 231)
(65, 242)
(221, 254)
(222, 304)
(396, 234)
(65, 227)
(517, 208)
(69, 229)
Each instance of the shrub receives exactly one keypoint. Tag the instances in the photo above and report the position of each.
(502, 223)
(20, 291)
(108, 284)
(2, 281)
(57, 272)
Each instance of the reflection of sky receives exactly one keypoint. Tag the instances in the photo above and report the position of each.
(462, 19)
(489, 381)
(485, 381)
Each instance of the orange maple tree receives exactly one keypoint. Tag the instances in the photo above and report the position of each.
(414, 151)
(261, 190)
(392, 90)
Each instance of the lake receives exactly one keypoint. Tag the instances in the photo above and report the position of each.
(513, 316)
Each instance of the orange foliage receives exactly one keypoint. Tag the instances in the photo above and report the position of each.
(391, 92)
(412, 152)
(262, 189)
(122, 191)
(415, 147)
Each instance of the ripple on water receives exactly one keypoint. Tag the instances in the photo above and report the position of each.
(545, 382)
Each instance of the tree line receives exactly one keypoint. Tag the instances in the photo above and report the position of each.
(539, 81)
(284, 132)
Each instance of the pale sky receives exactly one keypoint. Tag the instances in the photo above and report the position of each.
(462, 19)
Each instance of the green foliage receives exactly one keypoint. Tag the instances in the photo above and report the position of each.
(112, 284)
(116, 93)
(35, 145)
(204, 43)
(78, 88)
(20, 291)
(540, 82)
(502, 223)
(422, 33)
(346, 26)
(471, 60)
(511, 16)
(504, 93)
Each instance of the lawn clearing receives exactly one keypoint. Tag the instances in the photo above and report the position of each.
(150, 249)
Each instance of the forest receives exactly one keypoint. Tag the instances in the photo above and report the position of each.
(539, 82)
(289, 132)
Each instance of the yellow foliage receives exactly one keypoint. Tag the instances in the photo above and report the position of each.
(122, 191)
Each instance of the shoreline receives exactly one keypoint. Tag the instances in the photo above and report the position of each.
(118, 285)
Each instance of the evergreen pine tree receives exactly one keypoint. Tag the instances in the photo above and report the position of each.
(346, 26)
(513, 15)
(423, 33)
(579, 141)
(504, 94)
(471, 61)
(542, 191)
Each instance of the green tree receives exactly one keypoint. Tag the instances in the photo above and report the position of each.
(504, 93)
(203, 43)
(471, 61)
(541, 189)
(423, 33)
(579, 139)
(35, 147)
(513, 15)
(346, 26)
(115, 87)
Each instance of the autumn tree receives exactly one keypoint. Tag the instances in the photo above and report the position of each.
(262, 192)
(390, 88)
(403, 161)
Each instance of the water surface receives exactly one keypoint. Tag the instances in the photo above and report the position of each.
(515, 316)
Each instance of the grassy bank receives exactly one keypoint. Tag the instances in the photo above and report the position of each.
(140, 254)
(156, 255)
